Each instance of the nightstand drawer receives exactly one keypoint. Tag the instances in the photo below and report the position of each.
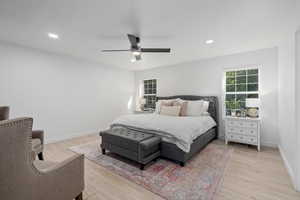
(251, 132)
(242, 124)
(242, 131)
(241, 138)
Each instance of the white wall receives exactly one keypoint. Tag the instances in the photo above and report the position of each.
(205, 77)
(298, 108)
(286, 104)
(65, 96)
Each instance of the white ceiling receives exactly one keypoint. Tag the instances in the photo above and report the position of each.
(87, 26)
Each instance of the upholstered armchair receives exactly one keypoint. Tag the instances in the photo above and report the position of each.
(23, 178)
(37, 135)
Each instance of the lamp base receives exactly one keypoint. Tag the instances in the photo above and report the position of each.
(142, 107)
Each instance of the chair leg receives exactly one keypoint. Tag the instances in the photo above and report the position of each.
(79, 197)
(103, 151)
(41, 156)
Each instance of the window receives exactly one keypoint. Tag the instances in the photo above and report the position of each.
(150, 93)
(239, 85)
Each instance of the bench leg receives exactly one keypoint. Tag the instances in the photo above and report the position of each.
(103, 151)
(182, 164)
(41, 156)
(142, 167)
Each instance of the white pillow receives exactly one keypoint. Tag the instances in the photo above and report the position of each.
(197, 108)
(170, 110)
(205, 106)
(205, 114)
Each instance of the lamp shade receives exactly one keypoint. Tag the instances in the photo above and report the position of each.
(142, 101)
(252, 103)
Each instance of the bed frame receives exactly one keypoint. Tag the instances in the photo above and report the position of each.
(172, 152)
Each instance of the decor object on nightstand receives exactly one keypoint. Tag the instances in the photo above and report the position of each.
(252, 105)
(243, 130)
(243, 113)
(142, 102)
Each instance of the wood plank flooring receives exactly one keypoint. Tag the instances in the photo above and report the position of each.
(250, 175)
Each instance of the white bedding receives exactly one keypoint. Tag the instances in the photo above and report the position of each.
(178, 130)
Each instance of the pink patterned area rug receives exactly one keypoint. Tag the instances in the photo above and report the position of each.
(200, 179)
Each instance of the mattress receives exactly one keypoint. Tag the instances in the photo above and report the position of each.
(181, 131)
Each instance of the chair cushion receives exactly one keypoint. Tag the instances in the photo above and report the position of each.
(43, 165)
(37, 145)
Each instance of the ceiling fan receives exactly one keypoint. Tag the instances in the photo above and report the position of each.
(137, 50)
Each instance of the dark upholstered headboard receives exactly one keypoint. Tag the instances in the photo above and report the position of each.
(213, 103)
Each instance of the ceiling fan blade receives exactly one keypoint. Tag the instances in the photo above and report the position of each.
(115, 50)
(134, 41)
(138, 57)
(155, 50)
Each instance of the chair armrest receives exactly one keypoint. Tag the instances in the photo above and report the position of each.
(66, 178)
(76, 161)
(39, 134)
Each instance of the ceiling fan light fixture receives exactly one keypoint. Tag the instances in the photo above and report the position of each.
(136, 50)
(136, 53)
(133, 60)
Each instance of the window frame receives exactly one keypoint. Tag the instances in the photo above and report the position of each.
(146, 95)
(248, 67)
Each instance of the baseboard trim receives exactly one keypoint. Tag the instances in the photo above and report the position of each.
(269, 144)
(288, 167)
(68, 136)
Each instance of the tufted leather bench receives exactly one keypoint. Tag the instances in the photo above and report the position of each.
(138, 146)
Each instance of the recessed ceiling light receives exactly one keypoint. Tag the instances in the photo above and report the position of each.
(209, 41)
(53, 36)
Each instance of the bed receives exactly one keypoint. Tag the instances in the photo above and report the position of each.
(186, 145)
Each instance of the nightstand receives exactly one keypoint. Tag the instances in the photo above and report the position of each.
(243, 130)
(143, 112)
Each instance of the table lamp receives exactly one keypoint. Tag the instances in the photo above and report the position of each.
(252, 106)
(142, 103)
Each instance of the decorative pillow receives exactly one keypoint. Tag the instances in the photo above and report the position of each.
(183, 104)
(170, 110)
(167, 103)
(197, 108)
(161, 103)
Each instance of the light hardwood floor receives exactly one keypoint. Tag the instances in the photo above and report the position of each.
(250, 175)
